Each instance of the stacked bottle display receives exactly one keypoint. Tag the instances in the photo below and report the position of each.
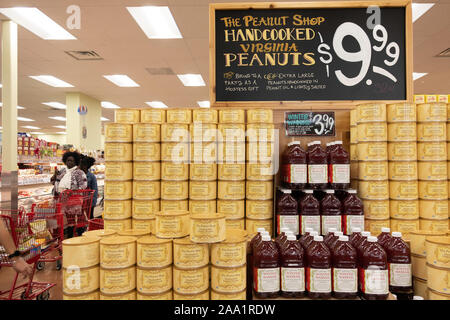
(432, 154)
(338, 266)
(231, 167)
(403, 167)
(260, 151)
(373, 186)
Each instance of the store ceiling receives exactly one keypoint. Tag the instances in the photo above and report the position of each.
(109, 30)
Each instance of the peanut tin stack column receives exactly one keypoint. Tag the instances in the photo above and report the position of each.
(203, 163)
(261, 146)
(175, 160)
(438, 267)
(118, 268)
(448, 153)
(403, 172)
(354, 173)
(119, 169)
(432, 155)
(147, 168)
(231, 167)
(373, 185)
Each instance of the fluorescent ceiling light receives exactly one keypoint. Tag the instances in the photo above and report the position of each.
(61, 132)
(418, 75)
(56, 105)
(419, 9)
(1, 85)
(31, 127)
(24, 119)
(109, 105)
(191, 80)
(121, 80)
(60, 127)
(37, 22)
(104, 119)
(157, 104)
(203, 104)
(18, 107)
(52, 81)
(37, 132)
(157, 22)
(58, 118)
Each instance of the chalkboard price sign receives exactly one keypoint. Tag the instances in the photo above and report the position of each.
(314, 53)
(310, 123)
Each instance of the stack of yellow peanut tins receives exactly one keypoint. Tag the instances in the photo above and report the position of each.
(175, 160)
(432, 155)
(261, 147)
(203, 162)
(119, 170)
(373, 186)
(231, 167)
(403, 172)
(354, 172)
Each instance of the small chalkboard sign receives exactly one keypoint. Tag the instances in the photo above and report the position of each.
(300, 124)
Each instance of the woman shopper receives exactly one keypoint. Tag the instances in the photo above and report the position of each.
(85, 164)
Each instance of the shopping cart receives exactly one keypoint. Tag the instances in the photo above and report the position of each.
(27, 232)
(95, 224)
(76, 208)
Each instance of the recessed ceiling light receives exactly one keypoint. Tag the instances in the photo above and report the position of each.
(37, 132)
(203, 104)
(31, 127)
(418, 75)
(121, 80)
(18, 107)
(56, 105)
(52, 81)
(419, 9)
(109, 105)
(157, 22)
(191, 80)
(60, 127)
(24, 119)
(104, 119)
(61, 132)
(37, 22)
(157, 104)
(58, 118)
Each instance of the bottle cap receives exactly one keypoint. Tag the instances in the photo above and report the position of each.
(397, 234)
(330, 230)
(329, 191)
(328, 144)
(308, 191)
(365, 234)
(343, 238)
(317, 142)
(293, 142)
(266, 237)
(372, 239)
(287, 191)
(308, 229)
(291, 238)
(318, 238)
(313, 233)
(284, 230)
(356, 229)
(260, 230)
(418, 298)
(351, 191)
(338, 233)
(289, 232)
(338, 142)
(384, 229)
(263, 233)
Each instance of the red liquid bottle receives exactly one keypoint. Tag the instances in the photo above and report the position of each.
(305, 236)
(292, 269)
(266, 269)
(374, 274)
(338, 167)
(355, 237)
(352, 213)
(318, 270)
(345, 269)
(329, 235)
(294, 169)
(360, 250)
(308, 241)
(330, 208)
(384, 237)
(334, 240)
(250, 245)
(399, 261)
(317, 167)
(281, 236)
(287, 212)
(309, 212)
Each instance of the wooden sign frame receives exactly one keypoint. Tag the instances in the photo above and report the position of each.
(308, 105)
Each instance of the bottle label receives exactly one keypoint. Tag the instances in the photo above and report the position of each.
(331, 222)
(310, 222)
(266, 280)
(318, 280)
(351, 221)
(318, 173)
(290, 222)
(400, 275)
(375, 281)
(345, 280)
(339, 173)
(293, 279)
(296, 173)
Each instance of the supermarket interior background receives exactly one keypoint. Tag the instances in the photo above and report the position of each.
(108, 60)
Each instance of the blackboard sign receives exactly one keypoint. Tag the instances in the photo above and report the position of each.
(307, 54)
(310, 123)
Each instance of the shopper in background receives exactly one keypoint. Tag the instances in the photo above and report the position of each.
(18, 263)
(85, 164)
